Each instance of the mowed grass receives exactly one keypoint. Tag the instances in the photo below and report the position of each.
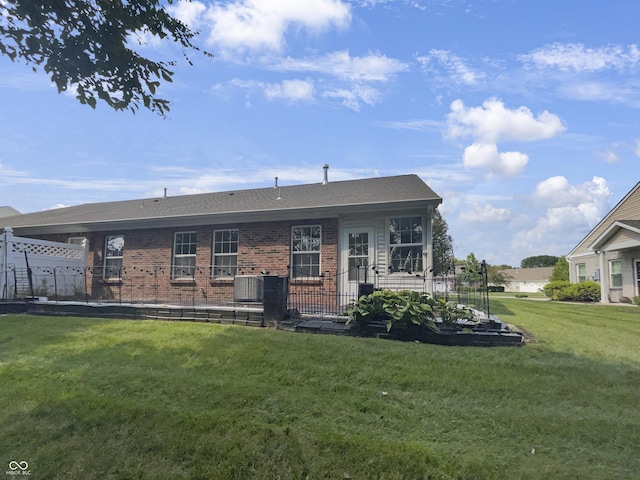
(114, 399)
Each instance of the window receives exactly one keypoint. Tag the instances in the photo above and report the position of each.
(184, 255)
(225, 253)
(113, 253)
(615, 269)
(358, 260)
(76, 240)
(305, 251)
(405, 244)
(581, 272)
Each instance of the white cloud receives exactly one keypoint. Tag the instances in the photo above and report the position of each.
(558, 192)
(637, 151)
(188, 12)
(354, 98)
(294, 90)
(454, 66)
(610, 156)
(373, 67)
(493, 122)
(571, 211)
(494, 163)
(262, 24)
(485, 214)
(578, 58)
(417, 125)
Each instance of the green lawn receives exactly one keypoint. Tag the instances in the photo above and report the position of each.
(124, 399)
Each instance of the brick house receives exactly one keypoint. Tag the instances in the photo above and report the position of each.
(326, 237)
(610, 253)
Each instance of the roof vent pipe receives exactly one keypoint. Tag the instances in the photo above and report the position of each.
(165, 192)
(326, 174)
(276, 185)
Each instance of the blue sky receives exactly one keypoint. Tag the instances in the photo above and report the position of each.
(522, 115)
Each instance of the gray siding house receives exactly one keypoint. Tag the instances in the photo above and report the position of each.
(610, 253)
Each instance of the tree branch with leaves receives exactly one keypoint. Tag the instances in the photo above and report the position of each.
(86, 45)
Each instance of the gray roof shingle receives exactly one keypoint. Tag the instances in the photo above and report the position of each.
(371, 192)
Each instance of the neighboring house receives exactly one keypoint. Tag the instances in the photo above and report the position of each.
(610, 253)
(8, 211)
(328, 236)
(527, 280)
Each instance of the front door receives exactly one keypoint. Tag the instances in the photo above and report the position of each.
(358, 258)
(638, 277)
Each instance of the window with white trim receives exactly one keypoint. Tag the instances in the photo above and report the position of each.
(306, 242)
(615, 273)
(113, 255)
(405, 244)
(184, 255)
(581, 272)
(225, 253)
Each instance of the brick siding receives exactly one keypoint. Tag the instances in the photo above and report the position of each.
(148, 254)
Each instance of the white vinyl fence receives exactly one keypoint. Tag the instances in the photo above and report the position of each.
(40, 268)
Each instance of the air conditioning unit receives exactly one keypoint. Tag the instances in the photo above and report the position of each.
(248, 288)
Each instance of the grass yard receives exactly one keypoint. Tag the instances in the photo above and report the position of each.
(122, 399)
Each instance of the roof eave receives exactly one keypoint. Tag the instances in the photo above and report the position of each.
(229, 217)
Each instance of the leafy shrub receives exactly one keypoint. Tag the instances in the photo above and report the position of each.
(636, 300)
(579, 292)
(521, 295)
(625, 300)
(552, 289)
(583, 292)
(404, 308)
(495, 288)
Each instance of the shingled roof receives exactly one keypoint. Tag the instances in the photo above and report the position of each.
(273, 203)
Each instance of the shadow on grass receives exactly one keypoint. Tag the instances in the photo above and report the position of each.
(127, 399)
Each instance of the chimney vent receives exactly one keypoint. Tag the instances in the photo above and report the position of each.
(165, 192)
(326, 174)
(276, 185)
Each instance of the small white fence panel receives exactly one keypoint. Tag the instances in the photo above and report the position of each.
(54, 268)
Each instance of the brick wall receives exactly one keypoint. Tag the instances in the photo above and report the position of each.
(147, 257)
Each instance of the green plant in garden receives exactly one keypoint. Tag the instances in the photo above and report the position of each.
(404, 308)
(451, 313)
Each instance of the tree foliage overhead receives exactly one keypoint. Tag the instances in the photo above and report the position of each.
(539, 261)
(85, 45)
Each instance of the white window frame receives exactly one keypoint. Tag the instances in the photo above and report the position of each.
(180, 270)
(613, 275)
(226, 270)
(581, 278)
(113, 262)
(411, 267)
(312, 249)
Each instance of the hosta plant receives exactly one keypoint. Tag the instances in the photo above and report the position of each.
(402, 309)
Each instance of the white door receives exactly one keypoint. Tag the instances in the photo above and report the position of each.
(357, 259)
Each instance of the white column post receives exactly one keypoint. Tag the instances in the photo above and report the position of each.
(604, 279)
